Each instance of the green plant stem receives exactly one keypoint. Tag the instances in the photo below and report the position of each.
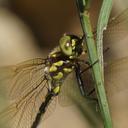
(101, 26)
(96, 69)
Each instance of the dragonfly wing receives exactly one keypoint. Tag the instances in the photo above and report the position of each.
(22, 112)
(21, 78)
(70, 92)
(116, 76)
(117, 28)
(27, 88)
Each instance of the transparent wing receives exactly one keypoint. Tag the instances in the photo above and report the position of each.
(117, 27)
(28, 90)
(22, 113)
(22, 78)
(70, 89)
(116, 76)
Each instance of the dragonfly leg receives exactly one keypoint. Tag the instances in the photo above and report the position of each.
(88, 95)
(90, 66)
(91, 92)
(82, 85)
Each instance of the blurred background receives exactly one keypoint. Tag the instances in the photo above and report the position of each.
(30, 29)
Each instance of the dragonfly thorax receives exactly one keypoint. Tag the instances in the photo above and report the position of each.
(61, 61)
(60, 66)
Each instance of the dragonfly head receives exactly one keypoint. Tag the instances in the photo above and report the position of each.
(71, 45)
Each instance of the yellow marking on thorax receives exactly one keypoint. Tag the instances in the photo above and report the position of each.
(58, 76)
(59, 63)
(67, 70)
(52, 68)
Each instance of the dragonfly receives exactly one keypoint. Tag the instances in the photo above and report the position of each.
(35, 85)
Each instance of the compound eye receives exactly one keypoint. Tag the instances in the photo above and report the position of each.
(65, 45)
